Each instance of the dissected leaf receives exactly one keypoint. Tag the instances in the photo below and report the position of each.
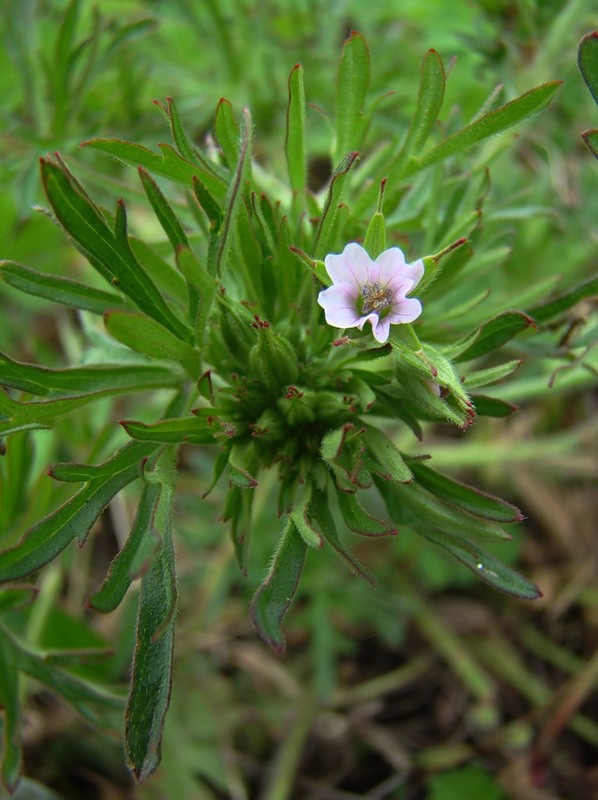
(163, 211)
(429, 102)
(144, 335)
(491, 335)
(227, 132)
(554, 308)
(191, 430)
(74, 519)
(109, 252)
(352, 85)
(464, 496)
(274, 596)
(496, 121)
(58, 289)
(168, 163)
(295, 131)
(135, 555)
(11, 753)
(326, 229)
(359, 521)
(151, 678)
(587, 58)
(112, 379)
(484, 565)
(325, 520)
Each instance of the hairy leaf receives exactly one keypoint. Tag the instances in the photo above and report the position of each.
(274, 596)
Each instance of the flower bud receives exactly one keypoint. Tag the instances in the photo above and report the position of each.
(297, 405)
(237, 330)
(272, 359)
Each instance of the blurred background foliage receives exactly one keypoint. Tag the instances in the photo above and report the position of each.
(431, 686)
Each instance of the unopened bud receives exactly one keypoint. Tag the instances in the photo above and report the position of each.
(272, 359)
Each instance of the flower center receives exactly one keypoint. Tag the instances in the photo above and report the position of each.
(375, 298)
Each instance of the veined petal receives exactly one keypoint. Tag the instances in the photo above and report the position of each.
(415, 271)
(352, 266)
(407, 310)
(339, 303)
(400, 286)
(381, 330)
(388, 265)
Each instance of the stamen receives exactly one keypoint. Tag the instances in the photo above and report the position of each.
(375, 298)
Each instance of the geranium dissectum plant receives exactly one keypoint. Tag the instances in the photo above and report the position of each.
(222, 325)
(371, 291)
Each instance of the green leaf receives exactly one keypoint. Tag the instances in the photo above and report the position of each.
(587, 58)
(492, 406)
(295, 131)
(15, 475)
(204, 429)
(321, 514)
(388, 461)
(133, 559)
(554, 308)
(351, 91)
(163, 211)
(484, 565)
(274, 596)
(238, 507)
(94, 704)
(48, 537)
(129, 32)
(151, 679)
(110, 253)
(429, 102)
(169, 280)
(491, 335)
(463, 496)
(469, 781)
(112, 379)
(204, 287)
(359, 521)
(9, 703)
(211, 207)
(180, 137)
(300, 516)
(40, 415)
(59, 290)
(496, 121)
(486, 377)
(17, 597)
(317, 268)
(241, 466)
(342, 450)
(326, 230)
(591, 140)
(221, 243)
(143, 335)
(63, 62)
(227, 133)
(168, 163)
(422, 509)
(375, 236)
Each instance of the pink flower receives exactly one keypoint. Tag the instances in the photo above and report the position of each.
(370, 291)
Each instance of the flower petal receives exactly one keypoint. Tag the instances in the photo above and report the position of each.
(381, 331)
(339, 304)
(351, 266)
(408, 310)
(389, 264)
(393, 269)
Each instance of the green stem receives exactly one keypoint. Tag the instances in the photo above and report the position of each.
(284, 771)
(448, 644)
